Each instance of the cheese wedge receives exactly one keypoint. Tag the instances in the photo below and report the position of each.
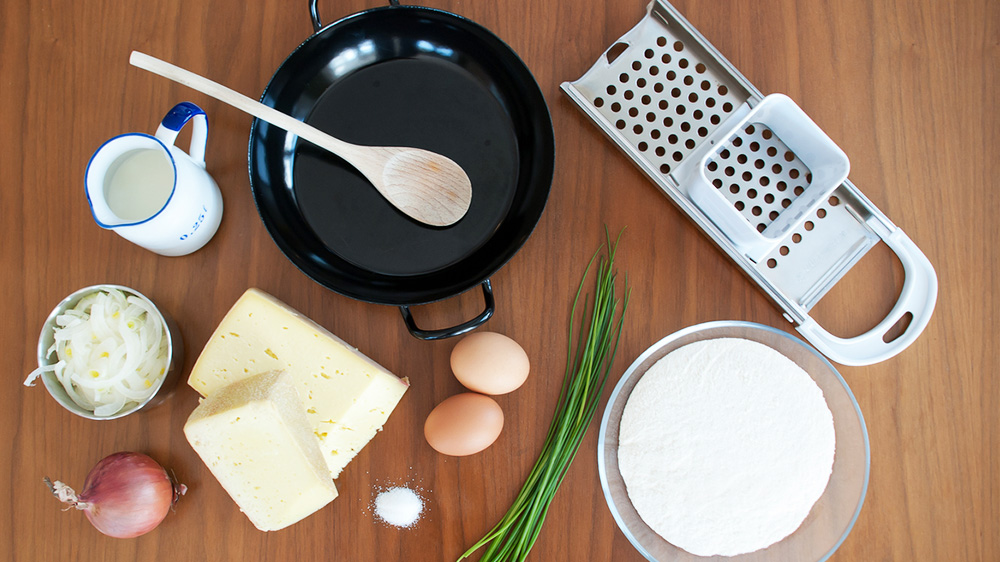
(347, 396)
(256, 440)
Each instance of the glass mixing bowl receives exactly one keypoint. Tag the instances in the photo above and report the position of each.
(833, 515)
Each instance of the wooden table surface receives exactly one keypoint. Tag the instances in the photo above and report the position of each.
(908, 89)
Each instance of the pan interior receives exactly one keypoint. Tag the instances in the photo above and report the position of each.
(425, 102)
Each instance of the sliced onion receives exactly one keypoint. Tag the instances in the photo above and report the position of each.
(111, 351)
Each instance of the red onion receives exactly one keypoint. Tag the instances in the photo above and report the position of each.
(125, 495)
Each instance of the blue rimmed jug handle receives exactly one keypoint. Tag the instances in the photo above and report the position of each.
(175, 120)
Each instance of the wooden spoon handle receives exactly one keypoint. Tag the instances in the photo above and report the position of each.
(241, 102)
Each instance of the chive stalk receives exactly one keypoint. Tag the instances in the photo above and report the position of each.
(585, 377)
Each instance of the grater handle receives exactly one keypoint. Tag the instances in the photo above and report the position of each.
(917, 298)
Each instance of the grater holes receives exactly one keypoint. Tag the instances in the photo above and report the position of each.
(821, 213)
(781, 185)
(723, 90)
(764, 180)
(702, 132)
(754, 146)
(678, 156)
(713, 166)
(637, 129)
(750, 129)
(650, 117)
(772, 263)
(616, 107)
(809, 177)
(724, 154)
(776, 168)
(672, 139)
(783, 250)
(756, 211)
(789, 156)
(769, 198)
(663, 104)
(767, 134)
(785, 203)
(683, 63)
(734, 188)
(661, 41)
(689, 144)
(772, 215)
(643, 147)
(751, 193)
(798, 190)
(645, 99)
(664, 168)
(660, 151)
(623, 77)
(678, 46)
(710, 103)
(742, 158)
(714, 119)
(737, 142)
(620, 124)
(598, 102)
(833, 201)
(808, 225)
(727, 107)
(698, 114)
(706, 85)
(671, 75)
(761, 227)
(730, 171)
(668, 121)
(633, 112)
(796, 238)
(629, 94)
(759, 164)
(657, 87)
(717, 183)
(654, 134)
(676, 92)
(793, 173)
(740, 205)
(640, 82)
(665, 58)
(688, 80)
(680, 110)
(654, 70)
(771, 151)
(700, 68)
(685, 126)
(692, 97)
(612, 90)
(648, 53)
(636, 65)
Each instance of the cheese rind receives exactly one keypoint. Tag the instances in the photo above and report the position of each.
(347, 396)
(258, 443)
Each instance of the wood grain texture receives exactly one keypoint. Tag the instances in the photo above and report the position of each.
(909, 90)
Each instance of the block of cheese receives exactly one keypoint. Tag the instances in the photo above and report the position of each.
(256, 440)
(347, 396)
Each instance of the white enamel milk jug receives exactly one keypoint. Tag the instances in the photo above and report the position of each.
(151, 192)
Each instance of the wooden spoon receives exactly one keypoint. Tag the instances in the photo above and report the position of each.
(424, 185)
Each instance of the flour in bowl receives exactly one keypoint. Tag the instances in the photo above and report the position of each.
(724, 447)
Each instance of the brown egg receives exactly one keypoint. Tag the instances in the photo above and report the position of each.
(464, 424)
(490, 363)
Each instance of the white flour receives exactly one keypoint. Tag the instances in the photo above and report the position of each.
(724, 446)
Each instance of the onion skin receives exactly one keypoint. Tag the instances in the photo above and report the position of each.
(124, 496)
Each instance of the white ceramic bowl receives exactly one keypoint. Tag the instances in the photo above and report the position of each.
(833, 515)
(175, 352)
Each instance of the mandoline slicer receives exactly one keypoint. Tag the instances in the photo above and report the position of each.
(754, 172)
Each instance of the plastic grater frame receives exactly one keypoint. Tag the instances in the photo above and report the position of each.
(667, 97)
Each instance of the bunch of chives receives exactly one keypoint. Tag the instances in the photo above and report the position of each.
(586, 374)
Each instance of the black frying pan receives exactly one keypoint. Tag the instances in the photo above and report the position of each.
(403, 76)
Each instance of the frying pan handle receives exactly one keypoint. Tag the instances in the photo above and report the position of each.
(314, 13)
(456, 330)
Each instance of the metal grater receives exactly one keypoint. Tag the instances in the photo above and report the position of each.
(754, 172)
